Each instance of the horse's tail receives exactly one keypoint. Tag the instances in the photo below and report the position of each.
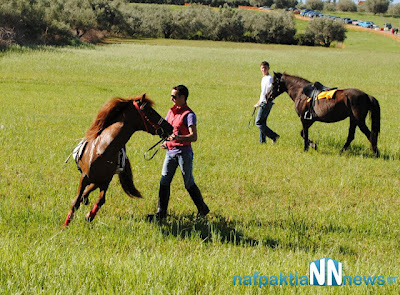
(375, 121)
(126, 180)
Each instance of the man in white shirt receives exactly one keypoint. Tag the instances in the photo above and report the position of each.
(265, 108)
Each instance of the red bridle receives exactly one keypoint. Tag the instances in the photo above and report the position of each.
(145, 119)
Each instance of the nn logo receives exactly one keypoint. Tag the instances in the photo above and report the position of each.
(326, 272)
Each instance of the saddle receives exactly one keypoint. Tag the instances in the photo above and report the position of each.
(314, 92)
(80, 148)
(78, 152)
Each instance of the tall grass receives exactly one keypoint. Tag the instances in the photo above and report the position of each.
(274, 207)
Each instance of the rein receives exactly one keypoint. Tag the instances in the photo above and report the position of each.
(162, 140)
(251, 119)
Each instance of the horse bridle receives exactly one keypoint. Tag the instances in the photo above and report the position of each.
(146, 121)
(278, 91)
(156, 126)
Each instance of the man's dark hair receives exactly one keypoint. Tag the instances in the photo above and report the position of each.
(182, 90)
(265, 64)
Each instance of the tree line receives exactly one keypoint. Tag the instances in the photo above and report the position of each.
(53, 22)
(374, 6)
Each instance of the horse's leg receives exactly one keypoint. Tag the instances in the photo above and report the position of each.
(304, 134)
(91, 187)
(367, 133)
(350, 136)
(83, 183)
(101, 200)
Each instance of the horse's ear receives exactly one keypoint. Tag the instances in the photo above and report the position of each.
(143, 96)
(274, 74)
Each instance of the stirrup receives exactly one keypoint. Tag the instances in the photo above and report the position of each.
(121, 161)
(308, 115)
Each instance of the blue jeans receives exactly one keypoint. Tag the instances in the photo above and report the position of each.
(185, 161)
(261, 122)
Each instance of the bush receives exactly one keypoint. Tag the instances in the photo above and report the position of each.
(57, 22)
(285, 3)
(362, 8)
(323, 31)
(66, 22)
(229, 25)
(261, 3)
(394, 9)
(270, 28)
(7, 37)
(377, 6)
(328, 6)
(315, 4)
(346, 5)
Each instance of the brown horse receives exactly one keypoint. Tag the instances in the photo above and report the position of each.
(350, 102)
(115, 123)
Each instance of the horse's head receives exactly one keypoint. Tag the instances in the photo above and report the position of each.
(278, 87)
(154, 123)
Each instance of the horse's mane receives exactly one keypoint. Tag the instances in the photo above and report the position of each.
(296, 79)
(109, 111)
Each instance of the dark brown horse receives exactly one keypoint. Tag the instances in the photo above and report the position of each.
(350, 102)
(115, 123)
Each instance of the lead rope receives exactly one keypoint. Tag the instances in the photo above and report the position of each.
(251, 119)
(162, 140)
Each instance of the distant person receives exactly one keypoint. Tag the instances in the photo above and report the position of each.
(179, 153)
(265, 108)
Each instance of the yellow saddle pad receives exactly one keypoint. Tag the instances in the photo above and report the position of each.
(325, 95)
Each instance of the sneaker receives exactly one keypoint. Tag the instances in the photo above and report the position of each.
(275, 139)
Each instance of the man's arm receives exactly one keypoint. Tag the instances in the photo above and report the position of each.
(191, 137)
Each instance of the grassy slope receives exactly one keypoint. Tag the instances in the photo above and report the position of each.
(274, 208)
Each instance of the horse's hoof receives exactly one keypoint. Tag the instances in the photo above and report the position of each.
(90, 216)
(68, 219)
(313, 145)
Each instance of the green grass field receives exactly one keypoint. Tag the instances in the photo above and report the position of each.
(274, 208)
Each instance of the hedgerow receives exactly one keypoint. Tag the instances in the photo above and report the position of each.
(54, 22)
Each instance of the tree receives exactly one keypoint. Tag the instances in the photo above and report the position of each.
(394, 9)
(377, 6)
(324, 31)
(346, 5)
(77, 13)
(260, 3)
(285, 3)
(315, 4)
(229, 25)
(270, 28)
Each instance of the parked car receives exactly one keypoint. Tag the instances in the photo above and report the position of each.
(355, 22)
(366, 24)
(387, 26)
(347, 20)
(312, 14)
(296, 10)
(303, 13)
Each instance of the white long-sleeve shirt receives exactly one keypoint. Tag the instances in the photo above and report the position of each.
(266, 84)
